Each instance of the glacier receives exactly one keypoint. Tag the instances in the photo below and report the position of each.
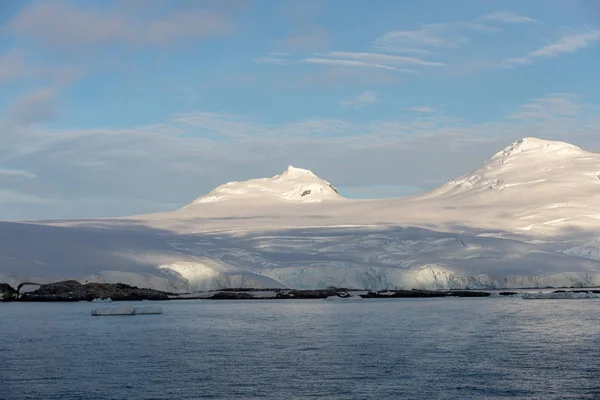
(527, 218)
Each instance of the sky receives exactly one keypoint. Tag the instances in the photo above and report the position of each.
(125, 107)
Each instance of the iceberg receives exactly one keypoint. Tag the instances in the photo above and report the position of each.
(100, 300)
(560, 295)
(126, 310)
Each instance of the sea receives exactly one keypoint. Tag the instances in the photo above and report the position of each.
(440, 348)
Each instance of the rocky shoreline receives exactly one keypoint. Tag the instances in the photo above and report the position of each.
(7, 292)
(74, 291)
(71, 290)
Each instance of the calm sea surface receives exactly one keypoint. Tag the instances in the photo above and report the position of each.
(406, 349)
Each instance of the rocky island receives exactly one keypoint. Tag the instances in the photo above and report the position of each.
(7, 292)
(72, 290)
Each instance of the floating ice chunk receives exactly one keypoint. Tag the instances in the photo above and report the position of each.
(121, 310)
(126, 310)
(560, 295)
(100, 300)
(148, 310)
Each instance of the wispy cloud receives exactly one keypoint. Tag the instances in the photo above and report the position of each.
(508, 17)
(33, 107)
(478, 27)
(12, 66)
(440, 37)
(347, 59)
(566, 44)
(551, 107)
(347, 63)
(360, 101)
(411, 50)
(8, 196)
(62, 25)
(16, 173)
(423, 44)
(423, 109)
(384, 59)
(430, 35)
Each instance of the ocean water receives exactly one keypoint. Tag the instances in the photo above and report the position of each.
(484, 348)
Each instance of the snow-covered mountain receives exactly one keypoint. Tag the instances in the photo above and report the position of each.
(529, 217)
(532, 185)
(295, 185)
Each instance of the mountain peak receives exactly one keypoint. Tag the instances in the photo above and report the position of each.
(292, 172)
(296, 185)
(532, 145)
(529, 165)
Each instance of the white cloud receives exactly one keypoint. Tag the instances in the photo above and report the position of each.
(551, 107)
(346, 63)
(440, 36)
(12, 66)
(478, 27)
(430, 35)
(413, 50)
(347, 59)
(33, 107)
(8, 196)
(384, 59)
(58, 24)
(566, 44)
(16, 172)
(360, 101)
(423, 109)
(508, 17)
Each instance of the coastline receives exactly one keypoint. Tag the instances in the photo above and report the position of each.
(73, 291)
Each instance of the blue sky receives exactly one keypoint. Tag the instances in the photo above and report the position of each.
(123, 107)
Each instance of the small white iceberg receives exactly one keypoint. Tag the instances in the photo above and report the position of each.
(560, 295)
(100, 300)
(126, 310)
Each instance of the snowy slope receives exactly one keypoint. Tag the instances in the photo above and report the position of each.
(533, 186)
(529, 217)
(294, 185)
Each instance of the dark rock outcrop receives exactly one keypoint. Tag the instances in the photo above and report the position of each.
(7, 292)
(507, 293)
(231, 296)
(420, 293)
(309, 294)
(595, 291)
(468, 293)
(75, 291)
